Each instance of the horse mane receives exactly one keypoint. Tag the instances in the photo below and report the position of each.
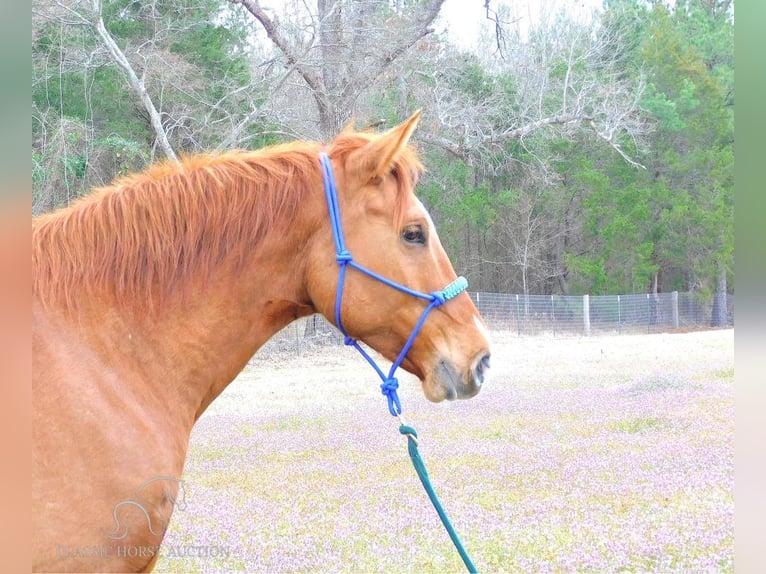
(148, 234)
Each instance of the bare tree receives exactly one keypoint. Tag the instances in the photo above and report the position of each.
(90, 14)
(529, 245)
(554, 79)
(506, 113)
(185, 107)
(341, 49)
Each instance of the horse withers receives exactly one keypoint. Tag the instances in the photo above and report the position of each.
(150, 296)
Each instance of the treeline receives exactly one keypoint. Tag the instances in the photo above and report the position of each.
(576, 153)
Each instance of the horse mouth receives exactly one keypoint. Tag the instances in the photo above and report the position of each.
(446, 383)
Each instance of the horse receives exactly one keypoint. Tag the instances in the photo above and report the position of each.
(151, 294)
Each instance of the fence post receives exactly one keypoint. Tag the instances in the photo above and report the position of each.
(619, 315)
(518, 316)
(648, 314)
(553, 314)
(674, 299)
(586, 313)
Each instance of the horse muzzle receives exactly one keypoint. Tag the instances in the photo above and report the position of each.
(446, 382)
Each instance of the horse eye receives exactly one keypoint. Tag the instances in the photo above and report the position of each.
(414, 234)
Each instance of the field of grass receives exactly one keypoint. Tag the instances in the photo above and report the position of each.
(599, 454)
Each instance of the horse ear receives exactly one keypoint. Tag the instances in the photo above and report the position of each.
(378, 157)
(349, 127)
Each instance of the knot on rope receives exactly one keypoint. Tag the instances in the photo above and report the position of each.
(349, 340)
(388, 388)
(438, 298)
(343, 257)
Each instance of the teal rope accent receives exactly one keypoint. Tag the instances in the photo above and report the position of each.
(455, 288)
(420, 468)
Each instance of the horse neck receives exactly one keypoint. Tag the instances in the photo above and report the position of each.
(233, 316)
(200, 337)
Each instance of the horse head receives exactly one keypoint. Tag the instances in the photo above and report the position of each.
(389, 232)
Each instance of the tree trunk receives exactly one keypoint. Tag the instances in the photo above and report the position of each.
(720, 315)
(334, 112)
(346, 66)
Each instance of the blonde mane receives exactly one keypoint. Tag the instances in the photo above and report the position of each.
(149, 233)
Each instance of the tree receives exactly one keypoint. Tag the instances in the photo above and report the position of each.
(570, 153)
(510, 117)
(670, 225)
(342, 49)
(140, 80)
(689, 50)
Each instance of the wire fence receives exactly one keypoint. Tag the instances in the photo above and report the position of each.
(602, 314)
(552, 315)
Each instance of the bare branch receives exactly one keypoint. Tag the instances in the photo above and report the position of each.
(136, 83)
(523, 131)
(419, 30)
(294, 59)
(494, 17)
(236, 132)
(608, 138)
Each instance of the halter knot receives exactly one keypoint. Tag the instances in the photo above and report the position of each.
(349, 340)
(388, 388)
(343, 257)
(438, 298)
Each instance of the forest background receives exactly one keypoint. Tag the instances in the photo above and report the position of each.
(570, 149)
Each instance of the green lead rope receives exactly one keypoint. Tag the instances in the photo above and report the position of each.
(420, 468)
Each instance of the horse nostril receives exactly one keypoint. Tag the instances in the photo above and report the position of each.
(481, 366)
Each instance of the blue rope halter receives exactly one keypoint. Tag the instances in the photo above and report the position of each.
(345, 260)
(390, 383)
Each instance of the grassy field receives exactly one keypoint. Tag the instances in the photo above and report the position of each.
(580, 454)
